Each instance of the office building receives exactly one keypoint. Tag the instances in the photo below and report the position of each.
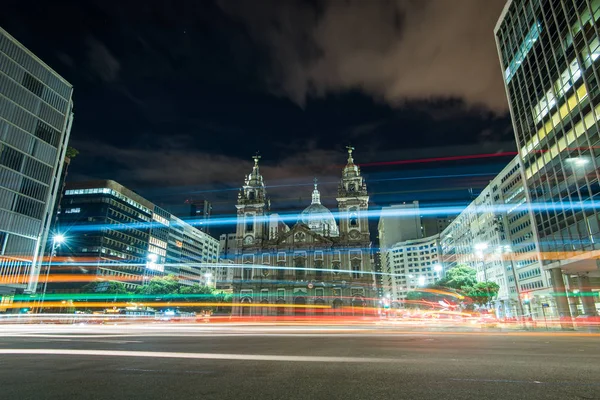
(36, 114)
(548, 53)
(200, 211)
(398, 223)
(495, 236)
(410, 265)
(112, 233)
(434, 225)
(227, 252)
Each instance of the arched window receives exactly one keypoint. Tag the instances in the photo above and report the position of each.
(249, 223)
(299, 264)
(353, 219)
(251, 195)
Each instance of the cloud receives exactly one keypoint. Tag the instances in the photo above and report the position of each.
(395, 51)
(101, 61)
(177, 169)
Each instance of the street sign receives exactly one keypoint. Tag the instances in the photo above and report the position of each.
(545, 305)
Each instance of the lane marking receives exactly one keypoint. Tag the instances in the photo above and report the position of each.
(204, 356)
(523, 382)
(86, 341)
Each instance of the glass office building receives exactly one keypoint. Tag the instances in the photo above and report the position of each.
(36, 113)
(549, 52)
(114, 234)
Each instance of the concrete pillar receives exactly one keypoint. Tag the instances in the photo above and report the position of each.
(560, 296)
(586, 295)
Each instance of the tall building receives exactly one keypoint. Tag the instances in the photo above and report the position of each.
(228, 252)
(315, 262)
(112, 233)
(398, 223)
(434, 225)
(495, 235)
(549, 52)
(201, 211)
(36, 114)
(410, 265)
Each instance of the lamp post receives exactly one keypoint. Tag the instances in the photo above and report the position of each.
(437, 268)
(508, 250)
(57, 240)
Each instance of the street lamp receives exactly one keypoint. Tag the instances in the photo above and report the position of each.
(507, 250)
(437, 268)
(57, 240)
(208, 276)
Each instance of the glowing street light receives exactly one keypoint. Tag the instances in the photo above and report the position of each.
(57, 240)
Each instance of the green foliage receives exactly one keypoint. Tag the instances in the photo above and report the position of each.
(459, 277)
(483, 292)
(168, 288)
(160, 286)
(109, 287)
(71, 152)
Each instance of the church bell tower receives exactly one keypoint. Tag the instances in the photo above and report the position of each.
(353, 203)
(252, 205)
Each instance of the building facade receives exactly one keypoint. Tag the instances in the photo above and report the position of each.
(495, 235)
(314, 263)
(112, 233)
(411, 265)
(36, 114)
(548, 53)
(228, 252)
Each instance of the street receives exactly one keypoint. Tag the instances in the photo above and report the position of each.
(293, 362)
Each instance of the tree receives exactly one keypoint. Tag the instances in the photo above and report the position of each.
(71, 152)
(160, 286)
(483, 292)
(459, 277)
(108, 287)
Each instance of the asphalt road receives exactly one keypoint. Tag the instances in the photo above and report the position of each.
(268, 362)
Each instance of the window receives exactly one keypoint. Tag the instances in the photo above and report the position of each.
(32, 84)
(353, 217)
(356, 269)
(11, 158)
(249, 223)
(46, 133)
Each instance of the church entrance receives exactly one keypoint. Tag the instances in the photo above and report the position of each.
(246, 310)
(298, 310)
(337, 307)
(358, 305)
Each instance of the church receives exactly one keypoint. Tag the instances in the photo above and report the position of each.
(319, 266)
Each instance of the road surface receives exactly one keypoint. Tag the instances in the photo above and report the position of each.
(149, 362)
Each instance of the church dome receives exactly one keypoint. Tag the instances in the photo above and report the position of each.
(318, 218)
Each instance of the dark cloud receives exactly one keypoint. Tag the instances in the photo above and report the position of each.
(101, 61)
(392, 50)
(172, 167)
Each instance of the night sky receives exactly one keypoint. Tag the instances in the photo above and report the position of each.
(173, 98)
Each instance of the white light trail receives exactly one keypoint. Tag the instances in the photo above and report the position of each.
(201, 356)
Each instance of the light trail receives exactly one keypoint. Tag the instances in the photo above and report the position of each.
(441, 159)
(198, 356)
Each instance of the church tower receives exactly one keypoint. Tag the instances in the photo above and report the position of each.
(252, 206)
(353, 203)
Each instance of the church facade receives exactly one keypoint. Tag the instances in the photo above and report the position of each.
(320, 265)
